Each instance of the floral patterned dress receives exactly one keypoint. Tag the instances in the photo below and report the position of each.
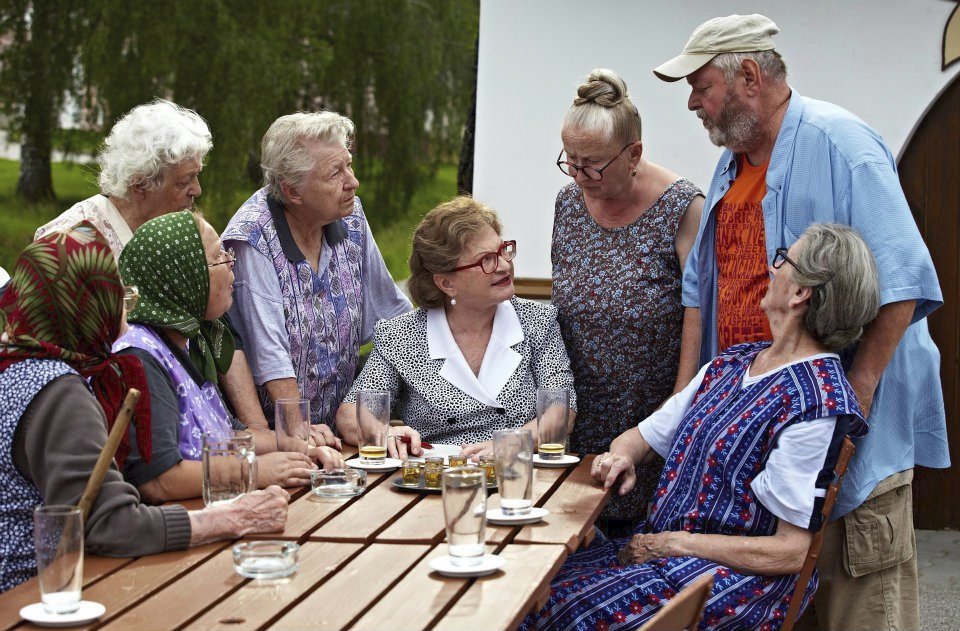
(720, 446)
(618, 292)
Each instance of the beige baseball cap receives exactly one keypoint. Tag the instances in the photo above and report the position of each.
(730, 34)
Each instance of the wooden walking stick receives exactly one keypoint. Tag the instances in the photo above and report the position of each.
(119, 428)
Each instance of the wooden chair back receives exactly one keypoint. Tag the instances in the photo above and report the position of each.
(684, 610)
(813, 553)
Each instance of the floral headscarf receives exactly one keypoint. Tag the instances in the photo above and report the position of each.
(65, 301)
(166, 261)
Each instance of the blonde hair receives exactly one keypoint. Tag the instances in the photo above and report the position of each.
(439, 240)
(602, 106)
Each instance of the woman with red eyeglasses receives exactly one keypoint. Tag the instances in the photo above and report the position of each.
(470, 359)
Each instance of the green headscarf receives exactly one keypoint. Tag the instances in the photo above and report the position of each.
(166, 262)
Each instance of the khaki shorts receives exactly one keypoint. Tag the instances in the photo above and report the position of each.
(868, 565)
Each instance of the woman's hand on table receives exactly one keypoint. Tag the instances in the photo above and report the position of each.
(326, 457)
(643, 548)
(284, 468)
(475, 450)
(607, 468)
(259, 511)
(322, 436)
(403, 441)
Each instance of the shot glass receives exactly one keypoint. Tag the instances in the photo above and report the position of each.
(457, 461)
(411, 472)
(58, 541)
(348, 482)
(489, 465)
(373, 422)
(229, 465)
(513, 451)
(464, 512)
(553, 412)
(432, 470)
(292, 423)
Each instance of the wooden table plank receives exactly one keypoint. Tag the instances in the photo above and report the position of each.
(256, 603)
(380, 507)
(308, 511)
(185, 598)
(573, 509)
(421, 524)
(503, 599)
(433, 594)
(28, 592)
(353, 588)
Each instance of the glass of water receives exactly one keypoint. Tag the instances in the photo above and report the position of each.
(58, 542)
(465, 514)
(292, 422)
(229, 466)
(513, 453)
(373, 424)
(553, 414)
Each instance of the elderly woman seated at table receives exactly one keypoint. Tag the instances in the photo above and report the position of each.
(60, 314)
(185, 282)
(749, 445)
(470, 359)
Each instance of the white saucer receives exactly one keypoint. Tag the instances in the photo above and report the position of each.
(88, 612)
(566, 461)
(496, 516)
(490, 564)
(388, 464)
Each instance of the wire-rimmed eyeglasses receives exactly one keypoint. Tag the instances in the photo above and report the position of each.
(594, 173)
(490, 261)
(229, 255)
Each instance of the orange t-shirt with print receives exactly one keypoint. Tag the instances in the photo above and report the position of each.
(742, 276)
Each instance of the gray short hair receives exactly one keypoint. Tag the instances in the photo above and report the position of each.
(148, 139)
(602, 106)
(837, 262)
(771, 63)
(285, 149)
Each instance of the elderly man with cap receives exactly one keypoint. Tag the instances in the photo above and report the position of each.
(791, 161)
(149, 166)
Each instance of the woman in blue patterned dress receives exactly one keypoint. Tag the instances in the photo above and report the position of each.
(621, 233)
(749, 446)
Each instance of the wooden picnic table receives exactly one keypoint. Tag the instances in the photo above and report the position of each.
(363, 565)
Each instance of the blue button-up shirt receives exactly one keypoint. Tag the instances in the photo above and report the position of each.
(829, 166)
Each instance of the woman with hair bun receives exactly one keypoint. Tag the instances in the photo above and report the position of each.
(622, 230)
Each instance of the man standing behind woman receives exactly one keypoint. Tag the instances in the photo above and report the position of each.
(622, 231)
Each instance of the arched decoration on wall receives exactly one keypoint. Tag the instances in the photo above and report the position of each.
(951, 38)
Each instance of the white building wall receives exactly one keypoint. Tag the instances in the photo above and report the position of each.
(881, 59)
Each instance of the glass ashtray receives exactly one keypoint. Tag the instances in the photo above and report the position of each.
(266, 559)
(348, 482)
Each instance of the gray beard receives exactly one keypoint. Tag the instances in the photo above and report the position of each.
(737, 128)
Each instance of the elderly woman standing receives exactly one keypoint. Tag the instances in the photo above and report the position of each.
(150, 165)
(311, 283)
(470, 359)
(185, 285)
(750, 445)
(60, 385)
(622, 230)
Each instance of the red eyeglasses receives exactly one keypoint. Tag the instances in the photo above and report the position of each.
(491, 260)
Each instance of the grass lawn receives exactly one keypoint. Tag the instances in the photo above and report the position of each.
(74, 182)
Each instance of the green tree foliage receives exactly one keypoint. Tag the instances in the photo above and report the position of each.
(38, 47)
(401, 69)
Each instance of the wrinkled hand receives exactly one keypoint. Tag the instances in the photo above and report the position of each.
(260, 511)
(475, 450)
(327, 457)
(864, 394)
(322, 436)
(285, 468)
(643, 548)
(398, 449)
(607, 468)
